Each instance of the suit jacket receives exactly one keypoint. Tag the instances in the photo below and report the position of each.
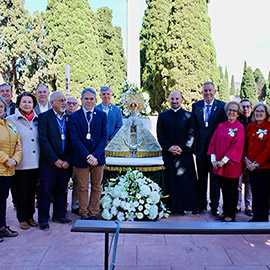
(115, 120)
(50, 141)
(11, 108)
(37, 109)
(203, 133)
(84, 147)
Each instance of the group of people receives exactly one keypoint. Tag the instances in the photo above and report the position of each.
(231, 144)
(45, 139)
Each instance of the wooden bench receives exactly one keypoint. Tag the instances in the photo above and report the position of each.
(152, 227)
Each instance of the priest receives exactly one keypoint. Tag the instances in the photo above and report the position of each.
(175, 132)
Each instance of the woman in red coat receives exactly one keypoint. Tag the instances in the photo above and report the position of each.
(226, 150)
(257, 160)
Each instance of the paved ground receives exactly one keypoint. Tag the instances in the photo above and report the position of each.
(59, 249)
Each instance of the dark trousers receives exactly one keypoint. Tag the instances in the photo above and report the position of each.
(49, 178)
(5, 184)
(204, 167)
(229, 188)
(25, 184)
(260, 188)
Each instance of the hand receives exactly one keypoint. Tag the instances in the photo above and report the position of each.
(251, 167)
(91, 160)
(58, 163)
(11, 162)
(65, 165)
(215, 164)
(221, 163)
(175, 150)
(17, 148)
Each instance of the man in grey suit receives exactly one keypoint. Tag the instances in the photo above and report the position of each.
(208, 113)
(114, 114)
(42, 95)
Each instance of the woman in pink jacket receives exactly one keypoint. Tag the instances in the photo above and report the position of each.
(226, 150)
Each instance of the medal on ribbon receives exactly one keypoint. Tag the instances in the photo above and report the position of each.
(261, 133)
(232, 132)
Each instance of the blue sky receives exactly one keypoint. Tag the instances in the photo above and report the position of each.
(240, 30)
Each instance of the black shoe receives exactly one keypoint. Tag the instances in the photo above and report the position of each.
(248, 212)
(92, 218)
(215, 213)
(1, 239)
(44, 226)
(63, 220)
(7, 232)
(76, 211)
(221, 217)
(238, 209)
(196, 212)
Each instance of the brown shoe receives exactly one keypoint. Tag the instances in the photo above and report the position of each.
(24, 225)
(32, 223)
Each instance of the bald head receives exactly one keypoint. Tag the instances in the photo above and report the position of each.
(72, 104)
(175, 100)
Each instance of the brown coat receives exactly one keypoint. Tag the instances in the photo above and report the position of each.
(9, 137)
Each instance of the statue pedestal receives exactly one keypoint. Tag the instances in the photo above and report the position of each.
(151, 167)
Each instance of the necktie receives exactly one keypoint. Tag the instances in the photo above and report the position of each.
(207, 113)
(88, 115)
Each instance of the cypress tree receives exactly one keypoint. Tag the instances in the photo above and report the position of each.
(186, 51)
(232, 90)
(112, 58)
(70, 27)
(223, 90)
(248, 86)
(261, 84)
(153, 49)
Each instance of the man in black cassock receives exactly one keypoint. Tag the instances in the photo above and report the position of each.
(175, 132)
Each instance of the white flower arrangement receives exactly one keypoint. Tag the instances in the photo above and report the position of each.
(132, 197)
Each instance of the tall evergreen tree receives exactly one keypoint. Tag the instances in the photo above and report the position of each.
(112, 58)
(153, 39)
(69, 25)
(232, 90)
(248, 86)
(14, 38)
(261, 84)
(184, 48)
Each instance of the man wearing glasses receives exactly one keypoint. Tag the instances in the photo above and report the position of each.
(55, 161)
(245, 119)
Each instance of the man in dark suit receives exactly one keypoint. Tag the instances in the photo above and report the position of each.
(175, 132)
(114, 114)
(88, 127)
(208, 113)
(55, 161)
(42, 95)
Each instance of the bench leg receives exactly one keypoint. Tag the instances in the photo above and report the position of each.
(106, 257)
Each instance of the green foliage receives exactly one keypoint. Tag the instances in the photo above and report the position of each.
(70, 27)
(25, 56)
(177, 52)
(248, 86)
(112, 58)
(232, 90)
(223, 90)
(261, 84)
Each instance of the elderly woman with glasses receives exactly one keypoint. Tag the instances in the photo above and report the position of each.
(10, 156)
(257, 160)
(226, 150)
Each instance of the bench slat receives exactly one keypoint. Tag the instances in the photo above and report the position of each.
(152, 227)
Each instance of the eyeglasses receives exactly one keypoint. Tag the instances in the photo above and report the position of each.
(71, 103)
(61, 100)
(231, 110)
(259, 111)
